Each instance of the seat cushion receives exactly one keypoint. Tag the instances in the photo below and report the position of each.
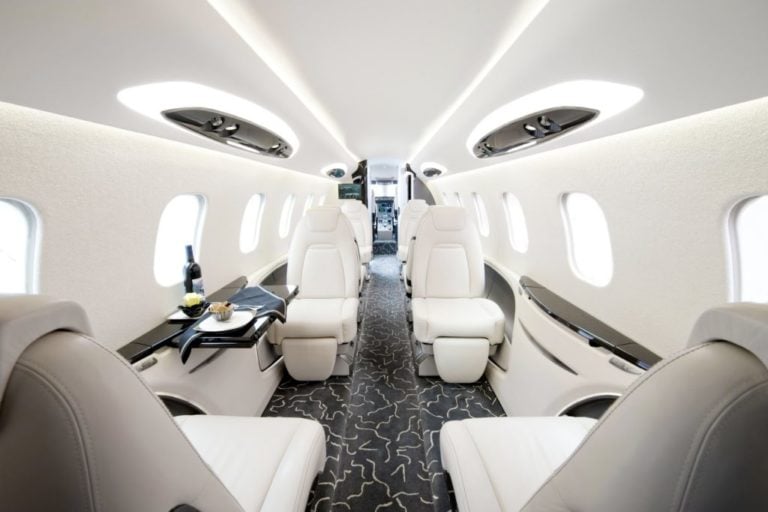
(317, 318)
(497, 464)
(267, 464)
(457, 318)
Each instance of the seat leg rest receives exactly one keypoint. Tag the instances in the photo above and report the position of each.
(308, 359)
(461, 360)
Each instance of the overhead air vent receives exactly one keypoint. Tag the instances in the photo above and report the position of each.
(230, 130)
(532, 129)
(549, 113)
(432, 170)
(336, 171)
(214, 114)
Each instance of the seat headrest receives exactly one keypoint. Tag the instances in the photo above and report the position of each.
(27, 318)
(448, 218)
(352, 206)
(323, 218)
(743, 324)
(416, 205)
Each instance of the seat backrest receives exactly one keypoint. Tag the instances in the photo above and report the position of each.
(360, 218)
(690, 435)
(408, 222)
(324, 260)
(80, 430)
(447, 259)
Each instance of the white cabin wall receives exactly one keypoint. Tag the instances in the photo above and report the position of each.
(100, 192)
(666, 191)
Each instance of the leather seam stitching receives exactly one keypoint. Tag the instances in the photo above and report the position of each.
(485, 469)
(282, 457)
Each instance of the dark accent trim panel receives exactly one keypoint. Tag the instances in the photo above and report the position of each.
(597, 333)
(546, 353)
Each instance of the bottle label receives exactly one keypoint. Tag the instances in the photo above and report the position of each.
(197, 286)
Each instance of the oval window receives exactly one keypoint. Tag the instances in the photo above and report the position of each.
(749, 248)
(286, 215)
(516, 227)
(251, 225)
(589, 242)
(180, 225)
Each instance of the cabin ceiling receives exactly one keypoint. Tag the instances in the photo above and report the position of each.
(396, 81)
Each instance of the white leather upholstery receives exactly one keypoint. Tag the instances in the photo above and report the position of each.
(268, 464)
(447, 259)
(80, 430)
(496, 464)
(324, 262)
(31, 317)
(409, 219)
(460, 318)
(447, 278)
(360, 218)
(460, 360)
(318, 318)
(689, 435)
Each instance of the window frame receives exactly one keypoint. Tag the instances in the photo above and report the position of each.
(481, 214)
(32, 245)
(196, 241)
(514, 234)
(286, 216)
(573, 244)
(256, 222)
(308, 203)
(735, 249)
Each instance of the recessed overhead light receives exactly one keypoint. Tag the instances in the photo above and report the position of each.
(537, 111)
(336, 171)
(432, 169)
(214, 114)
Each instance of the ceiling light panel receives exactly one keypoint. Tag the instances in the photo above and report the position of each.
(607, 98)
(152, 100)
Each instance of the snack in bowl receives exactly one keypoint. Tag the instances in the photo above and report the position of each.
(193, 305)
(222, 311)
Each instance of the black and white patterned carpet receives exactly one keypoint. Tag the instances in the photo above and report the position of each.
(382, 424)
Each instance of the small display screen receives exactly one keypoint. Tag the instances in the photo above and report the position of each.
(351, 191)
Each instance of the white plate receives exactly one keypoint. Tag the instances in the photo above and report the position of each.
(238, 319)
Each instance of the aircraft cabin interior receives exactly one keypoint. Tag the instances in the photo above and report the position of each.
(439, 256)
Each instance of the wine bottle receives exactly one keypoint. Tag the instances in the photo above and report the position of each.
(193, 275)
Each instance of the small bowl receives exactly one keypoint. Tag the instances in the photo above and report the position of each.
(194, 311)
(221, 311)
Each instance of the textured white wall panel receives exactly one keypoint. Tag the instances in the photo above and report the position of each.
(100, 192)
(666, 191)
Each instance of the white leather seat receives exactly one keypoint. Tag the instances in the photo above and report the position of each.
(688, 435)
(457, 318)
(321, 323)
(496, 464)
(454, 325)
(407, 223)
(81, 430)
(263, 463)
(360, 218)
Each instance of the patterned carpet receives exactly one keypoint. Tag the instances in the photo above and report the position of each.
(383, 423)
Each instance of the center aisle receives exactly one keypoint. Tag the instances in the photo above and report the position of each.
(382, 424)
